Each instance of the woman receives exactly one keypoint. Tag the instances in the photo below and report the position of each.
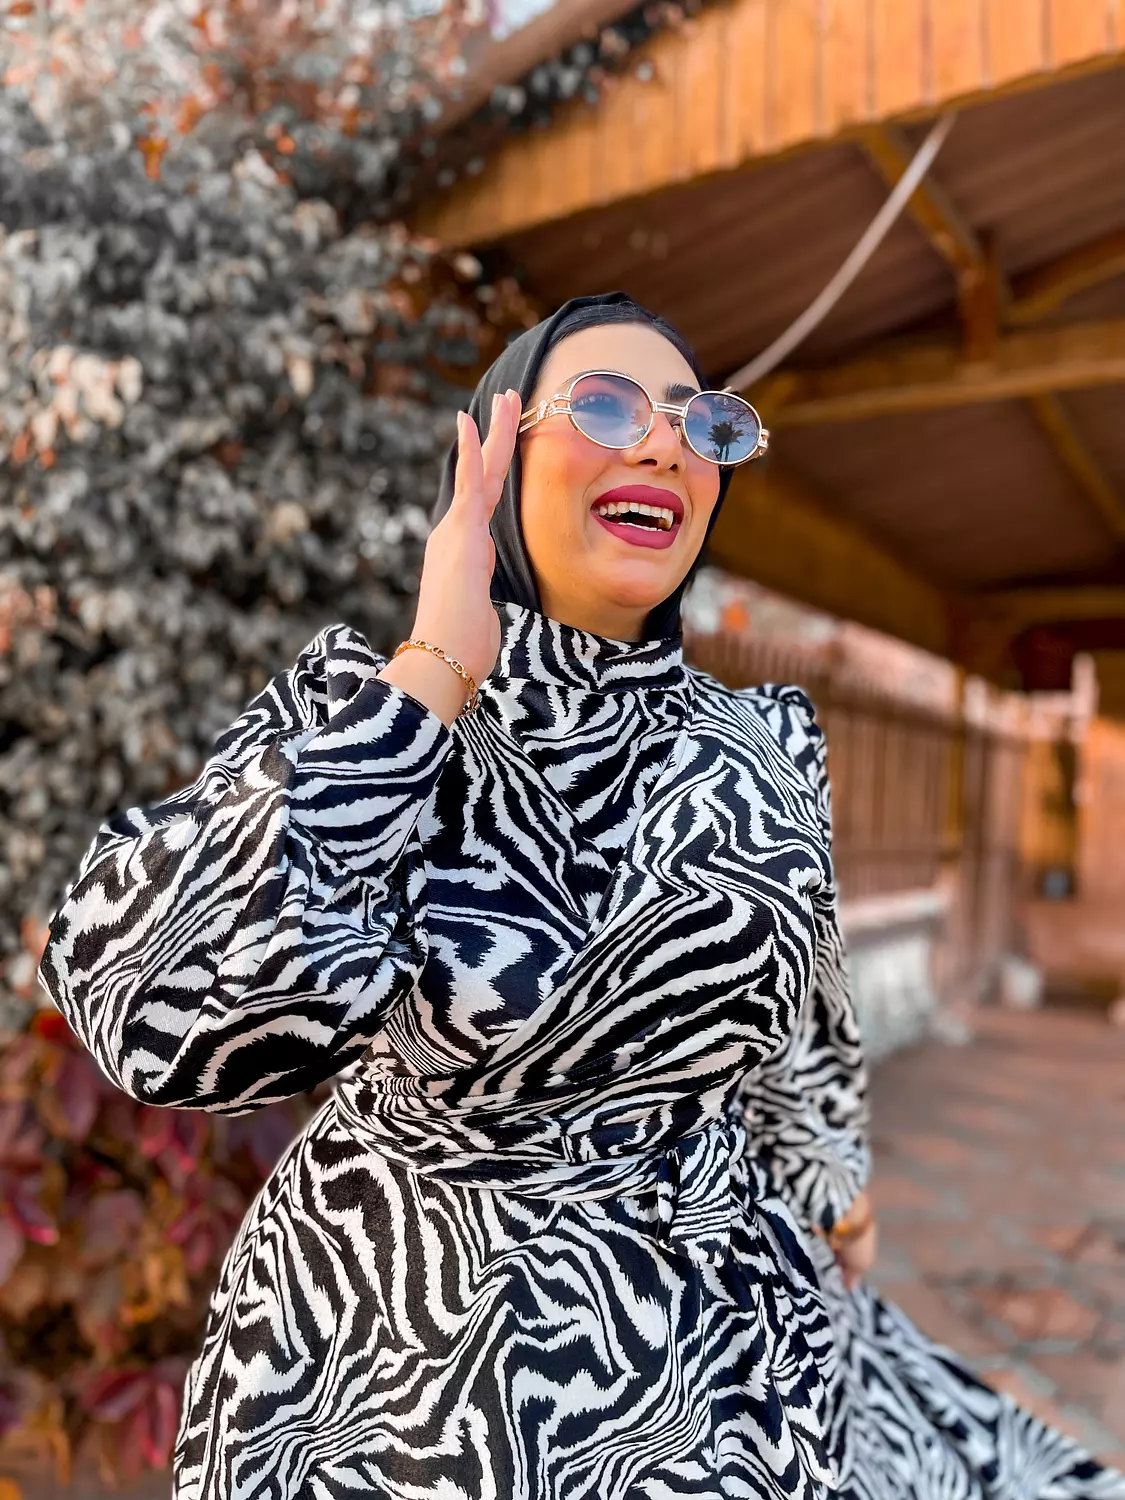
(557, 1233)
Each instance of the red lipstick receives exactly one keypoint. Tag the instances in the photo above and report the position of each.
(644, 515)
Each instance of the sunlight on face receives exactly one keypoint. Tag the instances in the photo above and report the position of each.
(589, 573)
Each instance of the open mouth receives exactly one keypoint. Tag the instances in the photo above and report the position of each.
(631, 513)
(640, 514)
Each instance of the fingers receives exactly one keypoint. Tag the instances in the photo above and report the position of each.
(469, 482)
(499, 445)
(481, 468)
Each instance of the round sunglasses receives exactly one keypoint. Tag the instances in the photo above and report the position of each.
(615, 411)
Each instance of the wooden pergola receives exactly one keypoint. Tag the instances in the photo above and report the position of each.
(949, 445)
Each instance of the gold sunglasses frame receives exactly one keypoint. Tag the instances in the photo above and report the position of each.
(560, 405)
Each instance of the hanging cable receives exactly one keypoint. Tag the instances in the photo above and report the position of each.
(865, 248)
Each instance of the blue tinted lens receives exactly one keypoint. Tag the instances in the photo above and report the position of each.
(723, 428)
(610, 409)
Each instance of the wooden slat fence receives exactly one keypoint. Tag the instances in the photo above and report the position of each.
(921, 797)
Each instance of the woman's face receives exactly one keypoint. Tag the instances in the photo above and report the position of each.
(593, 572)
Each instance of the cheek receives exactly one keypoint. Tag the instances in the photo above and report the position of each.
(558, 472)
(703, 489)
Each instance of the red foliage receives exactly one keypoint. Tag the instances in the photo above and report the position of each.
(143, 1404)
(114, 1218)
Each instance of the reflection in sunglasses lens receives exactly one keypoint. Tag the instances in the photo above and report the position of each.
(722, 428)
(610, 410)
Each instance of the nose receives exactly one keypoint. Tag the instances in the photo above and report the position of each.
(662, 446)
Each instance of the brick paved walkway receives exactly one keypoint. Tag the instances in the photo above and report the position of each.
(1000, 1186)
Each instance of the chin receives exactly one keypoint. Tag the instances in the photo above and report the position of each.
(638, 589)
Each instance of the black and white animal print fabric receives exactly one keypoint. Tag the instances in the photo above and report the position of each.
(551, 1237)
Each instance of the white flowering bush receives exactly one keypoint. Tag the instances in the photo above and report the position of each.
(222, 412)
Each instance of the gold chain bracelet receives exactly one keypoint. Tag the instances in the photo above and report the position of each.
(473, 700)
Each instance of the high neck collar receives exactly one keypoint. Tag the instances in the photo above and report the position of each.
(542, 650)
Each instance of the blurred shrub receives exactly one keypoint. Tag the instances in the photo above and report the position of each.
(222, 414)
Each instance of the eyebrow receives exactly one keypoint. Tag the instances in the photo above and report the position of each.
(675, 390)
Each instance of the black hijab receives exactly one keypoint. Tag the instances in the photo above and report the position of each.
(518, 369)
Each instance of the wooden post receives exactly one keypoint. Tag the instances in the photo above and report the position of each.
(979, 300)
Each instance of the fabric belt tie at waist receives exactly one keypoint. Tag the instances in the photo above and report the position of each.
(695, 1184)
(695, 1180)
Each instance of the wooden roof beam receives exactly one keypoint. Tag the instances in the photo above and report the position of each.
(1037, 293)
(986, 300)
(1077, 459)
(899, 379)
(949, 234)
(982, 292)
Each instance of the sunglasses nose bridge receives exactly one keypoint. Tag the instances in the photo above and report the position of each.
(675, 420)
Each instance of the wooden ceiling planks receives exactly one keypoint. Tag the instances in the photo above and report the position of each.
(1076, 456)
(957, 31)
(1044, 169)
(849, 81)
(901, 73)
(794, 74)
(971, 498)
(703, 88)
(1098, 415)
(734, 267)
(1017, 40)
(1075, 32)
(743, 127)
(747, 78)
(787, 533)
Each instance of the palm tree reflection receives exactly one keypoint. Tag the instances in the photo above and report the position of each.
(726, 436)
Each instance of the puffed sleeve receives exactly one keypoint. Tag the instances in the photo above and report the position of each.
(246, 939)
(806, 1108)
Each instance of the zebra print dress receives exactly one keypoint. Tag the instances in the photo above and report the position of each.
(578, 964)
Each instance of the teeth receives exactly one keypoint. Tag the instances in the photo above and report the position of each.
(661, 513)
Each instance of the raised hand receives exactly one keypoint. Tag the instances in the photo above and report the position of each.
(454, 609)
